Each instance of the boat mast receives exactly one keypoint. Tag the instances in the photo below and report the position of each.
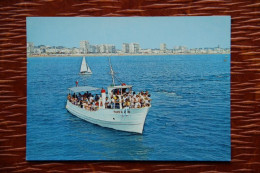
(112, 72)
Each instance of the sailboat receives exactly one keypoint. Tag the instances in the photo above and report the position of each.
(118, 115)
(85, 69)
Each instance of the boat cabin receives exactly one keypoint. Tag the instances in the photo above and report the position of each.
(119, 89)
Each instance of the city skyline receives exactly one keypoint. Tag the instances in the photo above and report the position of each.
(149, 32)
(86, 48)
(121, 46)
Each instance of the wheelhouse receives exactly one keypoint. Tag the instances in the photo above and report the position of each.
(119, 89)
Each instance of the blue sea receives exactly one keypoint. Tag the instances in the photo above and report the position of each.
(189, 119)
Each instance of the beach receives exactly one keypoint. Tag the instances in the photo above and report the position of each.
(114, 54)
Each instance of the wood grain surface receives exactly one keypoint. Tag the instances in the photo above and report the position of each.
(245, 80)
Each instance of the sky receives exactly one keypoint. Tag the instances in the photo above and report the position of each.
(149, 32)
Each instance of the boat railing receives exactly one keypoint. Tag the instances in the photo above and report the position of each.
(94, 107)
(118, 102)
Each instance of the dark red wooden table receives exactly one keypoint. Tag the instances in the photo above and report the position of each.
(245, 79)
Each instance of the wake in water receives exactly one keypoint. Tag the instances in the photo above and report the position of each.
(168, 93)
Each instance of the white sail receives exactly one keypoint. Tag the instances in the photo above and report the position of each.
(89, 70)
(84, 67)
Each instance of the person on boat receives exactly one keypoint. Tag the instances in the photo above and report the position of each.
(128, 104)
(69, 97)
(81, 104)
(107, 103)
(78, 102)
(124, 98)
(96, 105)
(142, 102)
(147, 102)
(89, 106)
(138, 98)
(85, 105)
(137, 105)
(134, 95)
(80, 97)
(91, 98)
(87, 94)
(77, 83)
(96, 98)
(76, 96)
(115, 96)
(123, 103)
(132, 104)
(127, 95)
(92, 106)
(149, 98)
(133, 101)
(113, 102)
(117, 101)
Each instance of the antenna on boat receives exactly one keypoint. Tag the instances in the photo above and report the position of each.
(112, 72)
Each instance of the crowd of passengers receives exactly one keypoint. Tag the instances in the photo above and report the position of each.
(128, 99)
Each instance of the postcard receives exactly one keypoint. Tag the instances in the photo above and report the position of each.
(128, 88)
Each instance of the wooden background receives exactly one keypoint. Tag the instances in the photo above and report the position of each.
(245, 79)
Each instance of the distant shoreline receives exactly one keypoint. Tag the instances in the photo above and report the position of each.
(102, 55)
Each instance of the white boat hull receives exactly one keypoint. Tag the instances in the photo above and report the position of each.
(131, 120)
(85, 73)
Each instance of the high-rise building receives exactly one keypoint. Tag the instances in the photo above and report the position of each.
(125, 48)
(113, 49)
(84, 46)
(102, 48)
(98, 48)
(163, 48)
(134, 48)
(183, 49)
(110, 48)
(180, 49)
(30, 48)
(92, 48)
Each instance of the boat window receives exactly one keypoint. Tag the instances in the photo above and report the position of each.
(121, 90)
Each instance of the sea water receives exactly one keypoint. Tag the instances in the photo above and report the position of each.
(189, 119)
